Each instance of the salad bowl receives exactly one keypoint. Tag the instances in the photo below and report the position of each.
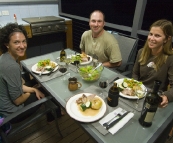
(88, 73)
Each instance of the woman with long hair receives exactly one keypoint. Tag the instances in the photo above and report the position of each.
(155, 60)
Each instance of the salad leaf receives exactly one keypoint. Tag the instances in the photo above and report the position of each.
(76, 58)
(43, 63)
(131, 82)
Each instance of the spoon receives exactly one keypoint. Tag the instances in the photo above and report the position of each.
(95, 68)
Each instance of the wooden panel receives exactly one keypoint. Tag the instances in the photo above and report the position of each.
(28, 30)
(69, 36)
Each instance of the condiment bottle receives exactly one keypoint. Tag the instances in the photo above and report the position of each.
(113, 95)
(15, 18)
(150, 105)
(62, 55)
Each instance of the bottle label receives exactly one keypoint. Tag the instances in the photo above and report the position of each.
(149, 117)
(148, 106)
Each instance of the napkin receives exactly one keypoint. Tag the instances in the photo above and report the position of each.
(120, 124)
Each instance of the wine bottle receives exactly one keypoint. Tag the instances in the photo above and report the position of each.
(150, 105)
(62, 55)
(113, 95)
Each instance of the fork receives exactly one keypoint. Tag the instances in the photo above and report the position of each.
(41, 72)
(116, 115)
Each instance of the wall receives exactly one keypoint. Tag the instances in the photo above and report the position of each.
(31, 10)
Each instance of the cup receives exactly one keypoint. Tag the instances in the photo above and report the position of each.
(74, 84)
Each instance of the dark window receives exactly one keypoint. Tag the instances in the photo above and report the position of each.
(155, 10)
(119, 12)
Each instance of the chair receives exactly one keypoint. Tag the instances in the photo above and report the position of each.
(49, 106)
(128, 48)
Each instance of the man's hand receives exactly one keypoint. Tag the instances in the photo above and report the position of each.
(111, 65)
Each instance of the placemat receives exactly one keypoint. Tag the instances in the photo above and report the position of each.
(45, 77)
(96, 90)
(73, 68)
(137, 105)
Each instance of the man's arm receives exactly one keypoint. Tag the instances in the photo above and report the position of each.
(111, 65)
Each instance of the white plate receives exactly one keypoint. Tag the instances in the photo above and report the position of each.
(120, 81)
(85, 63)
(88, 62)
(34, 67)
(74, 111)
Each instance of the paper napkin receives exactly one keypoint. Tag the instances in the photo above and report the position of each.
(120, 124)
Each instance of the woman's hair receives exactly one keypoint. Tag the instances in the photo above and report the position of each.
(7, 31)
(161, 58)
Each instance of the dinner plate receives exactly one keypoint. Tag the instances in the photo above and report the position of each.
(74, 111)
(34, 67)
(120, 81)
(88, 62)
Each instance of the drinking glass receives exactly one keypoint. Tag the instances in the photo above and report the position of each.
(95, 60)
(103, 84)
(63, 69)
(76, 63)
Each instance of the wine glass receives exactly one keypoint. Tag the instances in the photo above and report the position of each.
(76, 63)
(67, 61)
(63, 70)
(103, 84)
(95, 60)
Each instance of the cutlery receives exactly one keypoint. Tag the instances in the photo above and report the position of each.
(51, 71)
(114, 80)
(110, 120)
(116, 114)
(117, 120)
(41, 72)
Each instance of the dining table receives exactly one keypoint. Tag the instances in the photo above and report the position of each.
(132, 132)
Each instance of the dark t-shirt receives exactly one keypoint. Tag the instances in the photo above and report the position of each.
(147, 74)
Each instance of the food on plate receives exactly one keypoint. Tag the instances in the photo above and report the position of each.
(84, 57)
(131, 87)
(80, 58)
(88, 74)
(45, 65)
(96, 103)
(86, 102)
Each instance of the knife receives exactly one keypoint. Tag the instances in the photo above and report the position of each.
(116, 121)
(114, 80)
(51, 71)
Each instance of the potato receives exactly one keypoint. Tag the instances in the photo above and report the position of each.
(96, 103)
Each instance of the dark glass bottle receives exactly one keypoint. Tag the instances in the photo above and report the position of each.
(113, 95)
(62, 55)
(150, 105)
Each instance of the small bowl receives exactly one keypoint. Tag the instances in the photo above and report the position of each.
(87, 73)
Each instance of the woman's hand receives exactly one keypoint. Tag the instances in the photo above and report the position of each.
(164, 102)
(38, 93)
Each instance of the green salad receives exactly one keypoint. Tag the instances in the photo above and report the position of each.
(76, 58)
(43, 63)
(88, 74)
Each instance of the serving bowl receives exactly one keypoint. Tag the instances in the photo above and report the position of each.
(88, 73)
